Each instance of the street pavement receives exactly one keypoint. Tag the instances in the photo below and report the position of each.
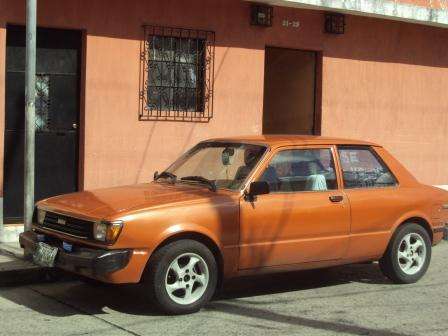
(348, 300)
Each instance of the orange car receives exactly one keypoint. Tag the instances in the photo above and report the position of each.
(239, 206)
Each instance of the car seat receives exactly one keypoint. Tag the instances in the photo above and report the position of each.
(316, 182)
(270, 176)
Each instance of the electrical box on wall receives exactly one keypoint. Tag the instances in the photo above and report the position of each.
(261, 15)
(334, 23)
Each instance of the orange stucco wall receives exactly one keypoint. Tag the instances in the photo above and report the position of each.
(384, 81)
(437, 4)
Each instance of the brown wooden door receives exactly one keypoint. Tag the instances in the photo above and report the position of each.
(289, 92)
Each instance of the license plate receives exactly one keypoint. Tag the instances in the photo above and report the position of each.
(45, 255)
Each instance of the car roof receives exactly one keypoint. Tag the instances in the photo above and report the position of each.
(287, 140)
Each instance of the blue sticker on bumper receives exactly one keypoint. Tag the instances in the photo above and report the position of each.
(67, 247)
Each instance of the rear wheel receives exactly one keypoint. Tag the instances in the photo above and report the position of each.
(408, 255)
(181, 277)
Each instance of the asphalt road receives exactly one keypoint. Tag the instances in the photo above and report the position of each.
(349, 300)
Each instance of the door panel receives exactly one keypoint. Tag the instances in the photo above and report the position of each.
(57, 115)
(55, 167)
(13, 174)
(15, 101)
(64, 109)
(290, 228)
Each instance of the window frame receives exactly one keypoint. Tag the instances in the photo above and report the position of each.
(205, 87)
(273, 153)
(379, 159)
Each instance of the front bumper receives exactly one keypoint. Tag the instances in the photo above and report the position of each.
(83, 260)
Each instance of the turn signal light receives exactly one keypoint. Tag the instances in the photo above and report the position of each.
(41, 216)
(107, 232)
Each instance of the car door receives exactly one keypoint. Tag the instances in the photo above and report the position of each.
(304, 218)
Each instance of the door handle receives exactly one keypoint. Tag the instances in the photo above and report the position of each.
(336, 198)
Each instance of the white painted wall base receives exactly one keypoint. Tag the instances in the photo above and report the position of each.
(10, 233)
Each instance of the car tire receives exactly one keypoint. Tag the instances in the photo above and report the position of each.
(181, 277)
(408, 255)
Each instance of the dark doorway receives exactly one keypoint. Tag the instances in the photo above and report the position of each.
(289, 91)
(57, 115)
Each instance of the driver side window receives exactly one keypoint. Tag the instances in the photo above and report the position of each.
(301, 170)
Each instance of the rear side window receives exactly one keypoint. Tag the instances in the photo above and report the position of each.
(362, 168)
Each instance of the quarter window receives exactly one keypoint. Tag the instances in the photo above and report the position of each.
(361, 168)
(301, 170)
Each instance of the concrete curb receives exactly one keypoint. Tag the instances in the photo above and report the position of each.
(10, 233)
(16, 270)
(12, 249)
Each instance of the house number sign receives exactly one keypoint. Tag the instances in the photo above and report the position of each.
(290, 24)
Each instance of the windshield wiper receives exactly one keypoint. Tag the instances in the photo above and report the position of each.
(201, 179)
(165, 174)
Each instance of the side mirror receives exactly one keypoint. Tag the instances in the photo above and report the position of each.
(258, 188)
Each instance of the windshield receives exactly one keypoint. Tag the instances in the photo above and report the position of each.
(225, 164)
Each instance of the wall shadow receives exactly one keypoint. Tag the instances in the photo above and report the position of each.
(365, 38)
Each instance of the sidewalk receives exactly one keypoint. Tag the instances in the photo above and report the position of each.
(14, 269)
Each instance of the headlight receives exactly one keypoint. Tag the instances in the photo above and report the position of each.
(107, 232)
(41, 216)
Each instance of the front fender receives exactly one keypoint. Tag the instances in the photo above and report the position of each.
(181, 228)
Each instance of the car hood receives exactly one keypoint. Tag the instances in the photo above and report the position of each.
(113, 202)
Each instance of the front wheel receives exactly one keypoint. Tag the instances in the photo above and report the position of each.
(181, 277)
(408, 255)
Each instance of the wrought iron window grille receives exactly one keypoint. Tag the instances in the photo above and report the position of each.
(176, 74)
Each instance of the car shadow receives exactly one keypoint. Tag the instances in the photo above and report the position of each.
(68, 297)
(257, 285)
(79, 297)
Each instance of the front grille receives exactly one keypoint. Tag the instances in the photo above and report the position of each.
(69, 225)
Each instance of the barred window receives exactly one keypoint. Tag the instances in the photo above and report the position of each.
(177, 79)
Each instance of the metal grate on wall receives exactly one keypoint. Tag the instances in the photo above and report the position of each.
(42, 103)
(176, 74)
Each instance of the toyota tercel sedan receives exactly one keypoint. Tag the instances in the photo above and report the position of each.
(247, 205)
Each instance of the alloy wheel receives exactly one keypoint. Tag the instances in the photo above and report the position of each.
(411, 253)
(187, 278)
